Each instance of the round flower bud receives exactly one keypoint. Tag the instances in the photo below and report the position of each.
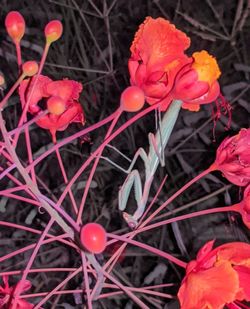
(56, 105)
(53, 31)
(30, 68)
(132, 99)
(15, 25)
(93, 238)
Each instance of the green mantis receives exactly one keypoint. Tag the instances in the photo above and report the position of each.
(151, 160)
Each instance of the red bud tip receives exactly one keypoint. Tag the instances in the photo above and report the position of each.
(132, 99)
(15, 25)
(53, 31)
(56, 105)
(30, 68)
(93, 238)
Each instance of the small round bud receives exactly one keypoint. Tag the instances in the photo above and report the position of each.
(132, 99)
(56, 105)
(30, 68)
(93, 237)
(53, 31)
(15, 25)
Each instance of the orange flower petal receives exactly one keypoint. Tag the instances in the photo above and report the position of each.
(191, 107)
(237, 253)
(211, 288)
(157, 40)
(244, 278)
(206, 67)
(65, 89)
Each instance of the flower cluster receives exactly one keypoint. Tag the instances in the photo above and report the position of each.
(159, 66)
(217, 277)
(233, 158)
(60, 98)
(40, 93)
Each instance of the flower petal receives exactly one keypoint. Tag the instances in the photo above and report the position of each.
(158, 41)
(211, 288)
(244, 278)
(65, 89)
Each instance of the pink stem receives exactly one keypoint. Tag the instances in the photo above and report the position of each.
(28, 123)
(188, 216)
(62, 212)
(150, 249)
(59, 158)
(14, 189)
(37, 271)
(11, 91)
(52, 292)
(107, 141)
(86, 279)
(19, 56)
(28, 229)
(21, 198)
(29, 151)
(29, 247)
(30, 262)
(69, 139)
(154, 199)
(175, 195)
(25, 108)
(17, 182)
(7, 170)
(91, 175)
(127, 291)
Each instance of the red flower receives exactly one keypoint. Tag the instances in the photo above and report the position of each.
(244, 208)
(7, 294)
(160, 68)
(196, 83)
(217, 277)
(67, 92)
(233, 158)
(157, 55)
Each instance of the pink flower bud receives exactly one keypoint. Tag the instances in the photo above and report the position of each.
(132, 99)
(15, 25)
(30, 68)
(56, 105)
(233, 158)
(53, 31)
(93, 238)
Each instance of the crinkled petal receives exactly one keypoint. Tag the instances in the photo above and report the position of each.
(158, 41)
(244, 279)
(132, 67)
(73, 114)
(211, 288)
(203, 252)
(66, 89)
(38, 93)
(238, 253)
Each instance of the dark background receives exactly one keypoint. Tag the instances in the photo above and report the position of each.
(94, 50)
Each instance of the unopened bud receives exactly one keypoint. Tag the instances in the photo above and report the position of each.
(15, 25)
(53, 31)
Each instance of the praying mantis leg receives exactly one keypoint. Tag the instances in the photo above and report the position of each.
(157, 144)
